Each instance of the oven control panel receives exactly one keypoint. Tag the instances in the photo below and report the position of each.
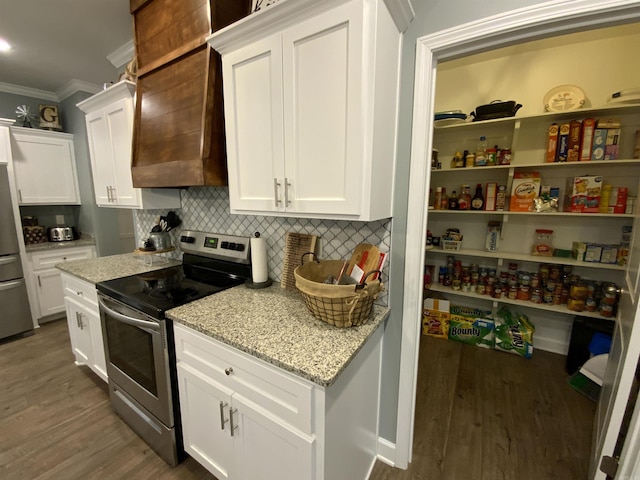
(216, 245)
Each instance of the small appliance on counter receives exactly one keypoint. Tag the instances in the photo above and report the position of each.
(62, 234)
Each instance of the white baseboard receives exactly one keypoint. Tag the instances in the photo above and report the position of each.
(550, 345)
(386, 451)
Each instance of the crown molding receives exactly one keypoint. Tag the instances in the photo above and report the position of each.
(76, 85)
(28, 92)
(121, 56)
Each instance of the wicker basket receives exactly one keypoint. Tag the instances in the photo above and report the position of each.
(338, 305)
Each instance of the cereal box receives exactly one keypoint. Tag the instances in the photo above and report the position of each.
(470, 325)
(435, 317)
(525, 187)
(584, 194)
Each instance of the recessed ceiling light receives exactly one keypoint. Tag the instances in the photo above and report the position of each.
(4, 45)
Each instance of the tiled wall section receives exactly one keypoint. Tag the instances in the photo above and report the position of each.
(207, 209)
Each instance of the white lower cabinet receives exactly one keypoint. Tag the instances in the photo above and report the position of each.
(244, 419)
(83, 318)
(47, 293)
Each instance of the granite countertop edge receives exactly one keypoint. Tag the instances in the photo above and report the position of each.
(233, 318)
(47, 246)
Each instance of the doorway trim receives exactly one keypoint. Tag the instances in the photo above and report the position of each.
(530, 23)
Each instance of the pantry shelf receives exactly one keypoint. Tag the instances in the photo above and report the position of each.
(545, 214)
(469, 252)
(554, 165)
(562, 309)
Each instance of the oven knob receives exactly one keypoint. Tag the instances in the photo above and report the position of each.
(240, 247)
(228, 371)
(224, 245)
(186, 239)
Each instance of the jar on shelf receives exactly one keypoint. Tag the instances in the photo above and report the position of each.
(542, 243)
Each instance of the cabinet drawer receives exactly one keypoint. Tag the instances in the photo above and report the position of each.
(276, 391)
(80, 291)
(50, 259)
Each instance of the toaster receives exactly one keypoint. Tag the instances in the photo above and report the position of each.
(61, 234)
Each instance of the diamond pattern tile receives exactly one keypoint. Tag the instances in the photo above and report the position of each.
(207, 209)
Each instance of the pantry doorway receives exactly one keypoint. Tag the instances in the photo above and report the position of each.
(541, 21)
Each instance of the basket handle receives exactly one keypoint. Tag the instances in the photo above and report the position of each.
(315, 258)
(363, 283)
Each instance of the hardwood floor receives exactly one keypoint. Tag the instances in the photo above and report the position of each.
(481, 415)
(488, 415)
(56, 421)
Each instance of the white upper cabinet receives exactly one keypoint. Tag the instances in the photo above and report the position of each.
(45, 167)
(311, 93)
(109, 118)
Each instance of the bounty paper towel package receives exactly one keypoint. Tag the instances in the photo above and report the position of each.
(514, 333)
(471, 325)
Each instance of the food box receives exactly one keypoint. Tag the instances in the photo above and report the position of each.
(586, 140)
(552, 143)
(573, 151)
(609, 254)
(563, 143)
(593, 253)
(525, 187)
(472, 326)
(599, 144)
(490, 197)
(578, 250)
(435, 317)
(584, 194)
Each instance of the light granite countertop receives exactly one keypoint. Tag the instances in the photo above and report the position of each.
(39, 247)
(271, 324)
(274, 325)
(100, 269)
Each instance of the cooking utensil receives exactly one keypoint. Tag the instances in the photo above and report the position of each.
(495, 109)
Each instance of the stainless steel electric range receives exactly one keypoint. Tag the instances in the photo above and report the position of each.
(138, 339)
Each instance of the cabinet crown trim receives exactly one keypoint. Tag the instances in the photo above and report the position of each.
(37, 132)
(122, 89)
(286, 13)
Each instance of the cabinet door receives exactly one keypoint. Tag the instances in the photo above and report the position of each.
(205, 437)
(50, 292)
(119, 117)
(267, 448)
(254, 126)
(45, 169)
(101, 156)
(323, 113)
(79, 332)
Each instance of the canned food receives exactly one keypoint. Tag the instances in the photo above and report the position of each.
(547, 297)
(535, 280)
(606, 310)
(481, 289)
(536, 295)
(575, 305)
(590, 304)
(524, 293)
(513, 292)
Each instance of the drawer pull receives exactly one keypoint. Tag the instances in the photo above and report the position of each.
(79, 293)
(233, 427)
(228, 371)
(223, 405)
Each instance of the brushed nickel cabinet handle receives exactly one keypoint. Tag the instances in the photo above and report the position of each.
(287, 184)
(39, 282)
(108, 194)
(233, 427)
(20, 195)
(223, 405)
(276, 184)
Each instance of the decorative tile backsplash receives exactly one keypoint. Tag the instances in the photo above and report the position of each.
(207, 209)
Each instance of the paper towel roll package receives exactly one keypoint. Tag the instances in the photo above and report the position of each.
(259, 268)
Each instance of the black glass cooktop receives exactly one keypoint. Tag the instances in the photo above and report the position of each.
(160, 290)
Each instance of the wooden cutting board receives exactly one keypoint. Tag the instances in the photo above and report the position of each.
(296, 245)
(366, 257)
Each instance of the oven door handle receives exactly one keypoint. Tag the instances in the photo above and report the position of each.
(129, 320)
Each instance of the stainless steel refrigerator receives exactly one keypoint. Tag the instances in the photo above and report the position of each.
(15, 316)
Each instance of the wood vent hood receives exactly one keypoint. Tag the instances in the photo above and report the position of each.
(178, 128)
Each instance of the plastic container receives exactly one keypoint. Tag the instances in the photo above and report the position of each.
(543, 243)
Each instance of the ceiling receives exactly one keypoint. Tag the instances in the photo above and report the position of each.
(61, 42)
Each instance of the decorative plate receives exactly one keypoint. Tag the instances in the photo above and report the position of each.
(564, 98)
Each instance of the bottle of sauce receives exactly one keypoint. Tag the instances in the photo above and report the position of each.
(464, 202)
(444, 204)
(477, 202)
(437, 201)
(453, 201)
(481, 152)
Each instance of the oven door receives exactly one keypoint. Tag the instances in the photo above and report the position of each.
(137, 357)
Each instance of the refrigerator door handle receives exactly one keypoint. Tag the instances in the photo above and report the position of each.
(10, 285)
(8, 259)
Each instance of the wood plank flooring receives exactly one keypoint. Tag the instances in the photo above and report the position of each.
(56, 421)
(480, 415)
(488, 415)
